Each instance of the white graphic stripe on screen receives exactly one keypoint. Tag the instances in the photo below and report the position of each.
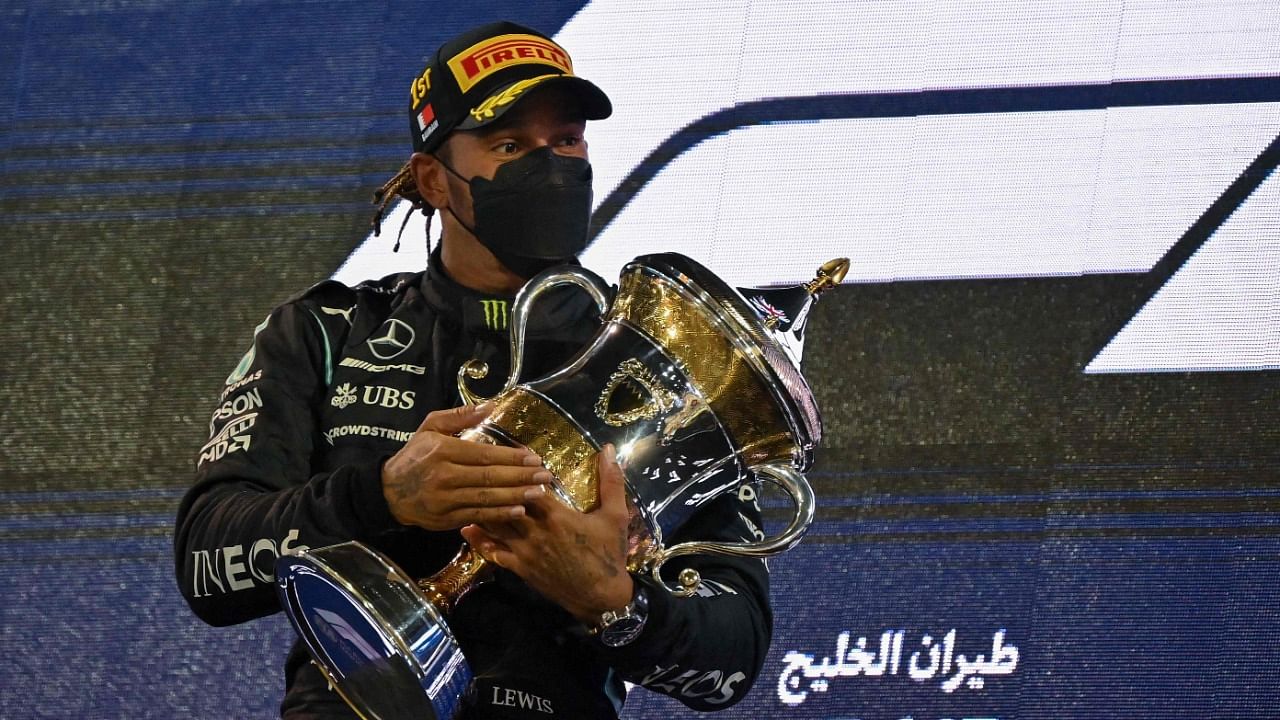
(1222, 310)
(945, 197)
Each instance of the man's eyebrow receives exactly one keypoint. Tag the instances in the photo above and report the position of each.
(498, 129)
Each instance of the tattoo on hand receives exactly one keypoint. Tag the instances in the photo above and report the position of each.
(399, 489)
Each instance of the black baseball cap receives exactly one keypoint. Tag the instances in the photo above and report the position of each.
(479, 75)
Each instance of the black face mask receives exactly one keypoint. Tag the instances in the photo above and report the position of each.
(534, 213)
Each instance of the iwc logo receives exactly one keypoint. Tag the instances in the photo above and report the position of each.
(345, 396)
(394, 338)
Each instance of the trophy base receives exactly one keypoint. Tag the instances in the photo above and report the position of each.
(383, 646)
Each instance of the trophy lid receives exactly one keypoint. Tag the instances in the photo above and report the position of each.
(747, 330)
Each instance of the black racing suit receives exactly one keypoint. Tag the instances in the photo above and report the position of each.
(336, 381)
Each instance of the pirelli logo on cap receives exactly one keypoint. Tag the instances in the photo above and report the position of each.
(489, 56)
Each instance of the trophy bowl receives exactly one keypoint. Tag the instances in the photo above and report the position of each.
(684, 377)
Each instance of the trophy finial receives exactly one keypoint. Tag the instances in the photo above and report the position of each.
(830, 275)
(783, 310)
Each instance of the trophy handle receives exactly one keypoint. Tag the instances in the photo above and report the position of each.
(555, 277)
(782, 475)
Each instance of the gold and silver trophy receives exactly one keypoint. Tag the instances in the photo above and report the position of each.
(691, 380)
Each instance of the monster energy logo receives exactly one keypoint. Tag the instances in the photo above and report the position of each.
(495, 314)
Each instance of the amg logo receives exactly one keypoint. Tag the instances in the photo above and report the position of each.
(232, 438)
(370, 367)
(495, 314)
(508, 697)
(223, 568)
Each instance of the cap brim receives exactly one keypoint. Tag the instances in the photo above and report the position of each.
(595, 104)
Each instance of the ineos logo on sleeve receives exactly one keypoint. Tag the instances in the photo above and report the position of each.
(394, 338)
(694, 683)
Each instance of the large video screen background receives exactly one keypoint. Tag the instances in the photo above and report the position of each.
(1051, 386)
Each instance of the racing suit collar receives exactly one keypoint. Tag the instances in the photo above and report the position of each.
(488, 313)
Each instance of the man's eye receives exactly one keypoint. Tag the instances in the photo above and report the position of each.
(572, 141)
(507, 148)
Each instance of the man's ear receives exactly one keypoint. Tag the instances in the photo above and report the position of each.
(429, 177)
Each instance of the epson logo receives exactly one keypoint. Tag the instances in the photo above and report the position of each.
(238, 405)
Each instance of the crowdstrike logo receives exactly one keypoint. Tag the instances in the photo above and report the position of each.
(385, 433)
(394, 338)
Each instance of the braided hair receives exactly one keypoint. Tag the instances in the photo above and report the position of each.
(400, 185)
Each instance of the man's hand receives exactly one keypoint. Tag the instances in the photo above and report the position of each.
(440, 482)
(576, 560)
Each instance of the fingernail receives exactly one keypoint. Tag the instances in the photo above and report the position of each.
(610, 453)
(485, 407)
(517, 511)
(532, 460)
(534, 493)
(542, 476)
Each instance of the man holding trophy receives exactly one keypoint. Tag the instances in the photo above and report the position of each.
(344, 427)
